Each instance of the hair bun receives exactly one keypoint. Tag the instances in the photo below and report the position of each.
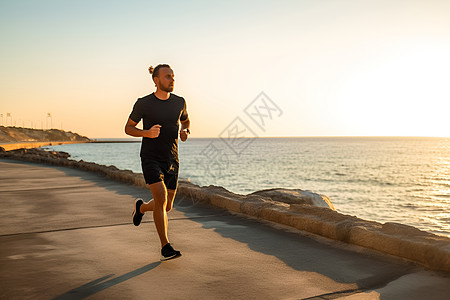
(150, 69)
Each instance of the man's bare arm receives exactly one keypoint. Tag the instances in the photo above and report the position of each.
(131, 129)
(183, 132)
(185, 124)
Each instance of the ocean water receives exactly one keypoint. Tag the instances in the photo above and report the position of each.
(384, 179)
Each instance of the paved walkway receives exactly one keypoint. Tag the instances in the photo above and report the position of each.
(67, 234)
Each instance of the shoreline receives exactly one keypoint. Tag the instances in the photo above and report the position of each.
(396, 239)
(30, 145)
(9, 146)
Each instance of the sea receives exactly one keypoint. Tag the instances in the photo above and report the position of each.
(384, 179)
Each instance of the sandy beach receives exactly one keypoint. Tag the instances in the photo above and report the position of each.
(30, 145)
(67, 234)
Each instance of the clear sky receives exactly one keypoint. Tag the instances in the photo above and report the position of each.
(334, 68)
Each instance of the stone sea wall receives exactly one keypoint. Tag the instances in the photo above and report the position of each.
(303, 210)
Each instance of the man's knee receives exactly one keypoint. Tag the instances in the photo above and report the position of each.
(169, 203)
(159, 193)
(170, 197)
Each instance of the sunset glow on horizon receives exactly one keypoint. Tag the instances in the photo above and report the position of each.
(335, 68)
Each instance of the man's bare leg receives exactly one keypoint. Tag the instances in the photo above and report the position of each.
(170, 197)
(159, 192)
(149, 206)
(162, 203)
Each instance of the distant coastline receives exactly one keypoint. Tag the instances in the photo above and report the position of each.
(116, 140)
(19, 134)
(12, 138)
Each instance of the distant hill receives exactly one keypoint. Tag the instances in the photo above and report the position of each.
(17, 134)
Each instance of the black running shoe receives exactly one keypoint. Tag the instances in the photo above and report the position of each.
(137, 215)
(167, 252)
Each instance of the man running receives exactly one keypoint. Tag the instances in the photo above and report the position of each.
(161, 112)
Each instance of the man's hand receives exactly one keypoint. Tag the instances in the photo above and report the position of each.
(184, 135)
(152, 132)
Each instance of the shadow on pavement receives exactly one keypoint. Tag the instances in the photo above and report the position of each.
(303, 253)
(100, 284)
(102, 181)
(300, 252)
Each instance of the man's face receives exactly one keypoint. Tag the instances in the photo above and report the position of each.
(165, 80)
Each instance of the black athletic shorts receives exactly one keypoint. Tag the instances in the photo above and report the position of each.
(155, 171)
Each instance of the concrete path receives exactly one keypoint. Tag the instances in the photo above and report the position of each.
(67, 234)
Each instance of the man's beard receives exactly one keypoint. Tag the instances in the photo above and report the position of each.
(167, 89)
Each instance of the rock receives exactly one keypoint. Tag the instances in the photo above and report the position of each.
(296, 196)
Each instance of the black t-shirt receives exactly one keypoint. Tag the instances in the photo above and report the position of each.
(166, 113)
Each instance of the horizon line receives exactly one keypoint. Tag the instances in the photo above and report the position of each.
(304, 136)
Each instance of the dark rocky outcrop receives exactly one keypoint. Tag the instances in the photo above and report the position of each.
(18, 134)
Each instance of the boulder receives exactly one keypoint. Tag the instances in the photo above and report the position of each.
(296, 196)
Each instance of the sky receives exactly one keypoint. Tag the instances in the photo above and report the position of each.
(325, 68)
